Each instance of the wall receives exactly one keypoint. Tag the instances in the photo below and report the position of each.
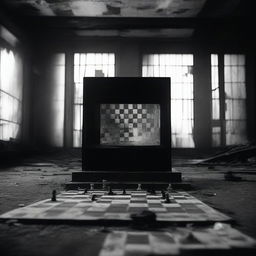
(128, 63)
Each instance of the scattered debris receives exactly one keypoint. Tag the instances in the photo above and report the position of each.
(38, 164)
(209, 194)
(105, 230)
(13, 222)
(221, 226)
(144, 218)
(237, 154)
(229, 176)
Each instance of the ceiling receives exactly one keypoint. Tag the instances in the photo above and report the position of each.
(108, 8)
(121, 18)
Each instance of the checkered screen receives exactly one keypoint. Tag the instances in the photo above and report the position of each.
(130, 124)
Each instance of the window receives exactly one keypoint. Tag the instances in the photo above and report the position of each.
(180, 68)
(235, 98)
(10, 94)
(231, 124)
(88, 65)
(57, 84)
(216, 124)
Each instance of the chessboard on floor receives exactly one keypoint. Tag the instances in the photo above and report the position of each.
(96, 205)
(220, 239)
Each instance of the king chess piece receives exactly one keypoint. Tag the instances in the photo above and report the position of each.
(167, 198)
(54, 199)
(163, 194)
(110, 191)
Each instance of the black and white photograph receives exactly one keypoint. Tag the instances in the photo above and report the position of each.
(127, 127)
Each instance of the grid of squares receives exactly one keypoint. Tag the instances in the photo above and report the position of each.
(78, 206)
(130, 124)
(176, 241)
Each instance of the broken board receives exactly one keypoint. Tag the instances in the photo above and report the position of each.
(179, 241)
(77, 206)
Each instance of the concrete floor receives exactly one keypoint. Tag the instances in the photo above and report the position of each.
(35, 179)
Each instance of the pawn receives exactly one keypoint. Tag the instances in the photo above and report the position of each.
(124, 192)
(54, 196)
(110, 192)
(91, 186)
(85, 191)
(167, 198)
(163, 194)
(139, 187)
(169, 188)
(93, 198)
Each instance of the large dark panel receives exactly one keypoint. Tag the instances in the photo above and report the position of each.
(136, 92)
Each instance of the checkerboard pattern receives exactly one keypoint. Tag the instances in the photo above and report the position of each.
(130, 124)
(76, 206)
(177, 241)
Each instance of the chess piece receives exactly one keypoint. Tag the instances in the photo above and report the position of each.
(54, 196)
(91, 186)
(110, 192)
(93, 198)
(167, 198)
(139, 187)
(163, 194)
(169, 188)
(85, 191)
(124, 191)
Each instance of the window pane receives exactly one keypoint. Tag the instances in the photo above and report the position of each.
(57, 99)
(216, 131)
(179, 68)
(10, 94)
(235, 99)
(88, 65)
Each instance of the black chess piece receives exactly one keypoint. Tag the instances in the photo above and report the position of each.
(93, 198)
(110, 192)
(85, 191)
(124, 192)
(163, 194)
(167, 199)
(54, 196)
